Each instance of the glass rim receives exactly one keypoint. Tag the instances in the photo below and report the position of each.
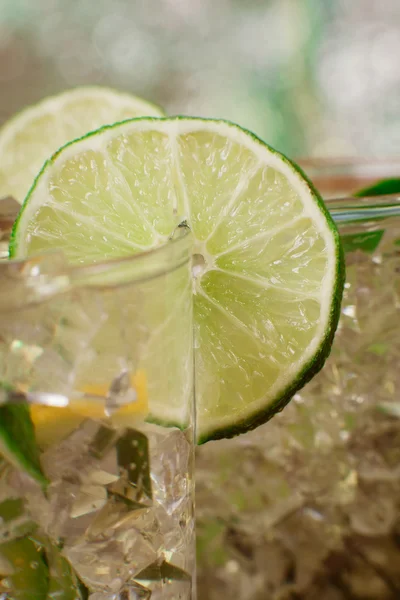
(149, 264)
(180, 238)
(338, 179)
(43, 276)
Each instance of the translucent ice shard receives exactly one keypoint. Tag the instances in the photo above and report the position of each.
(134, 463)
(170, 458)
(79, 467)
(121, 392)
(166, 581)
(162, 570)
(133, 591)
(42, 349)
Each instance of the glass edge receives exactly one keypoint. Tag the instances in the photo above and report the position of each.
(38, 279)
(143, 266)
(338, 179)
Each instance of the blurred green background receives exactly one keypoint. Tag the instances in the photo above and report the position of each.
(311, 77)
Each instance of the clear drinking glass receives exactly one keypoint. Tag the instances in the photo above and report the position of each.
(96, 502)
(307, 507)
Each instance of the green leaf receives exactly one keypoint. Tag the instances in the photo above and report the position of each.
(30, 575)
(64, 583)
(367, 241)
(15, 520)
(385, 186)
(17, 440)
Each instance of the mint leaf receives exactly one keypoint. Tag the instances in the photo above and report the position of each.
(64, 584)
(368, 241)
(17, 440)
(385, 186)
(30, 578)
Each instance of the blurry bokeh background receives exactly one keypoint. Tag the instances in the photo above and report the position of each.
(311, 77)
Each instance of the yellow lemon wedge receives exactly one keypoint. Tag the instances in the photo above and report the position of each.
(54, 423)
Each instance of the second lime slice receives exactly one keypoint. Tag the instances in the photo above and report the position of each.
(30, 137)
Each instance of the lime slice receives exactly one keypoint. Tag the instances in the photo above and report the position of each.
(267, 267)
(30, 137)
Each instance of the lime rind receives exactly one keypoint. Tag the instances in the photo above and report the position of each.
(318, 359)
(260, 410)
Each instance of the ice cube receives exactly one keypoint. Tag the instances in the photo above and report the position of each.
(171, 469)
(310, 537)
(382, 554)
(80, 468)
(360, 580)
(90, 499)
(134, 464)
(374, 511)
(72, 457)
(102, 441)
(107, 562)
(119, 517)
(166, 581)
(120, 392)
(134, 591)
(177, 534)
